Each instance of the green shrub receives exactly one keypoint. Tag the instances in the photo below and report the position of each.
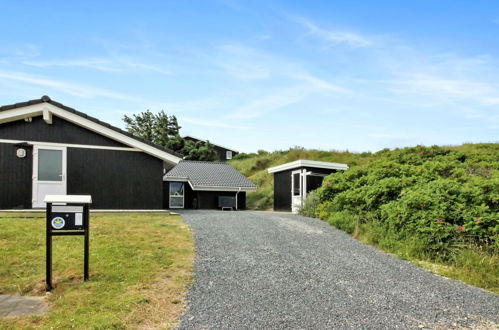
(442, 198)
(310, 205)
(345, 221)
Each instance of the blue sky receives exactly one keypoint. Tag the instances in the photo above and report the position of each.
(356, 75)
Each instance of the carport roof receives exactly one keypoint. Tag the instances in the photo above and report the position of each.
(214, 176)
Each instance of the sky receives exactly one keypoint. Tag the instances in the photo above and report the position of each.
(250, 75)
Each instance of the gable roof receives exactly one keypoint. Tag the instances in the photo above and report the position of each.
(215, 176)
(199, 139)
(45, 107)
(307, 163)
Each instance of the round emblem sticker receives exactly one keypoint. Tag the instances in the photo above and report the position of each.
(58, 223)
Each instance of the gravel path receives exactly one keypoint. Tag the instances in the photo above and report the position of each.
(262, 270)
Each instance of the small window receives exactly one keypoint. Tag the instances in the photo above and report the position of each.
(176, 195)
(296, 184)
(228, 154)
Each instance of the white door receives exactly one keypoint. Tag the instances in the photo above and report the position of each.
(176, 195)
(49, 173)
(296, 190)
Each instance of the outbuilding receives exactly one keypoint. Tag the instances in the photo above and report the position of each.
(206, 185)
(47, 148)
(223, 153)
(294, 180)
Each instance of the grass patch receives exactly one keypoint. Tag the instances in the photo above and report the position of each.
(140, 266)
(473, 265)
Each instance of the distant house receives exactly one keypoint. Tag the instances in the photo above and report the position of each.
(204, 185)
(294, 180)
(47, 148)
(224, 153)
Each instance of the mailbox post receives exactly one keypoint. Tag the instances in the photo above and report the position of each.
(67, 215)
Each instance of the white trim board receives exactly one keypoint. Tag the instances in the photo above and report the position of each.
(307, 163)
(47, 110)
(206, 188)
(69, 145)
(221, 188)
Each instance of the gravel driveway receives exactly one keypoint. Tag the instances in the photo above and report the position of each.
(263, 270)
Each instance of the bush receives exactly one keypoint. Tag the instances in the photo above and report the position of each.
(310, 205)
(444, 199)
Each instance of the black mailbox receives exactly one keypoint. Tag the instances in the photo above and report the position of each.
(67, 215)
(68, 218)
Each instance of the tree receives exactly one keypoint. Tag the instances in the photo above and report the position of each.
(164, 130)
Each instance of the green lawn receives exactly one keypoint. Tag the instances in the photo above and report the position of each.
(140, 266)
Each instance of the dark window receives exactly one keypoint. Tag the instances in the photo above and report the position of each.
(296, 184)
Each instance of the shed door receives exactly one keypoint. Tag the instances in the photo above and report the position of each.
(296, 190)
(49, 173)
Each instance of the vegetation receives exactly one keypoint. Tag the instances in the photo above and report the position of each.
(437, 206)
(164, 130)
(255, 165)
(140, 265)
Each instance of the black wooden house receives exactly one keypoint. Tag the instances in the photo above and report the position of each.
(47, 148)
(294, 180)
(223, 153)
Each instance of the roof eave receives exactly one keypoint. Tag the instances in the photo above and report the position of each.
(42, 106)
(307, 163)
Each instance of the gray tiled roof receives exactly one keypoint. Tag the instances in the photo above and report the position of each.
(209, 174)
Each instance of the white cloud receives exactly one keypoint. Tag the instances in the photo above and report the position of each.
(319, 84)
(334, 37)
(61, 86)
(444, 87)
(19, 51)
(110, 65)
(270, 102)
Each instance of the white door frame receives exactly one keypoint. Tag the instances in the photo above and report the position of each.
(63, 182)
(170, 195)
(302, 177)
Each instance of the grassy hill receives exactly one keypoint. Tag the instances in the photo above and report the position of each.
(437, 206)
(255, 165)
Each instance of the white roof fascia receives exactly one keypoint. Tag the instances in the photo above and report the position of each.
(44, 108)
(175, 179)
(307, 163)
(222, 188)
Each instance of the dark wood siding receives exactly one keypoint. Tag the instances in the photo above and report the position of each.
(209, 199)
(314, 182)
(15, 178)
(282, 191)
(60, 131)
(222, 153)
(203, 199)
(116, 179)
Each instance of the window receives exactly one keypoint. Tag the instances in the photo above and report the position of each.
(176, 195)
(228, 154)
(49, 165)
(296, 184)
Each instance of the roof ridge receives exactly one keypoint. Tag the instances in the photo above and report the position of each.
(205, 161)
(47, 99)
